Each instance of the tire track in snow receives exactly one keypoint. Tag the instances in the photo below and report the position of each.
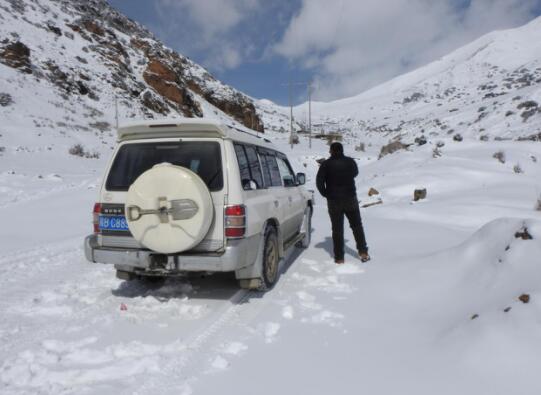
(179, 371)
(173, 368)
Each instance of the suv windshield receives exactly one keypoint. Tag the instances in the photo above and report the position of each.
(203, 158)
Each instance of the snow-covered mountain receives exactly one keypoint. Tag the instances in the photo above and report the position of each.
(64, 64)
(491, 88)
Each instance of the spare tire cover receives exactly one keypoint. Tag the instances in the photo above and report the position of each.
(169, 209)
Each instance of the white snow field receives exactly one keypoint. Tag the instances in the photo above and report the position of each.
(401, 323)
(449, 304)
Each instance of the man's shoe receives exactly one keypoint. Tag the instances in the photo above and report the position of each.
(364, 256)
(339, 261)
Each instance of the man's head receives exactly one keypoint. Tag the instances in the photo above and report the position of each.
(336, 149)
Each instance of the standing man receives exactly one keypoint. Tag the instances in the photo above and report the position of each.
(336, 182)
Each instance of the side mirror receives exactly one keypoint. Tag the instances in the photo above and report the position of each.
(301, 178)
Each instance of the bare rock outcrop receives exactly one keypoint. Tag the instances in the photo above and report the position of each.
(166, 83)
(392, 147)
(16, 55)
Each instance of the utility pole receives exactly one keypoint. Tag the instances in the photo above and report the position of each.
(290, 87)
(116, 111)
(310, 114)
(290, 116)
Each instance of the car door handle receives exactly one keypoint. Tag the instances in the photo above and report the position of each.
(276, 203)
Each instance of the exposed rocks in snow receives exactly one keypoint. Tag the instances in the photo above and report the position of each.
(154, 103)
(5, 99)
(507, 310)
(420, 140)
(524, 298)
(56, 30)
(436, 153)
(78, 150)
(392, 147)
(517, 169)
(17, 6)
(93, 27)
(530, 108)
(500, 155)
(415, 97)
(102, 126)
(372, 192)
(16, 55)
(240, 108)
(532, 137)
(523, 234)
(164, 81)
(475, 316)
(481, 116)
(419, 194)
(458, 137)
(528, 114)
(109, 65)
(66, 82)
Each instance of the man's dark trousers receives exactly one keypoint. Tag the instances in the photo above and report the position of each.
(350, 208)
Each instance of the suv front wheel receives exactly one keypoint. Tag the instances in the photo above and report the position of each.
(306, 228)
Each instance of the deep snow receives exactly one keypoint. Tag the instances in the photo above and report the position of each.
(400, 323)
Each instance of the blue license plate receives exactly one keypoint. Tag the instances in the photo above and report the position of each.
(113, 222)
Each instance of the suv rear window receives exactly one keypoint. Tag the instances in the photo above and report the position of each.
(203, 158)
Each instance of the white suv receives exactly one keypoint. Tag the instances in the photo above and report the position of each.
(194, 195)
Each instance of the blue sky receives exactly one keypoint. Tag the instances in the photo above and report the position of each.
(344, 46)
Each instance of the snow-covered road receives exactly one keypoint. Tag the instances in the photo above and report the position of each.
(401, 323)
(64, 330)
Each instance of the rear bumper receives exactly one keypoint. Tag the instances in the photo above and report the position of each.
(238, 254)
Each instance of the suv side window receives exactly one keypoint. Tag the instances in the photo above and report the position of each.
(244, 167)
(265, 168)
(285, 172)
(275, 178)
(255, 167)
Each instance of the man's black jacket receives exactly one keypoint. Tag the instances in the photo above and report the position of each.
(336, 177)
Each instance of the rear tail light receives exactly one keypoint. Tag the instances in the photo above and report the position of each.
(235, 221)
(96, 217)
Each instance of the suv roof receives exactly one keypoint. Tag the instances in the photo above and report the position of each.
(188, 127)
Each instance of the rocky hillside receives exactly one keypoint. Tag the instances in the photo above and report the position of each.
(66, 66)
(489, 89)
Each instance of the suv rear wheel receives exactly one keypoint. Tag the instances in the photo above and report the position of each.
(271, 259)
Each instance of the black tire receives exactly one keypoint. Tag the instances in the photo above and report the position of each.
(305, 242)
(271, 260)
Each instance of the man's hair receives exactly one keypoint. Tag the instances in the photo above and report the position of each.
(337, 149)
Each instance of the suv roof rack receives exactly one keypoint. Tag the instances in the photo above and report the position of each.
(181, 127)
(245, 131)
